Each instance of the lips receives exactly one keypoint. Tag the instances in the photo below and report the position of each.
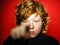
(31, 32)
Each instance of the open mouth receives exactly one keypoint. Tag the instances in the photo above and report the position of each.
(31, 33)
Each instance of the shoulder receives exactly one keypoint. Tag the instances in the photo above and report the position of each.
(50, 40)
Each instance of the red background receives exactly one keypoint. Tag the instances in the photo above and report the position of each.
(8, 17)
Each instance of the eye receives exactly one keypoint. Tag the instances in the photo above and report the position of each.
(25, 21)
(36, 21)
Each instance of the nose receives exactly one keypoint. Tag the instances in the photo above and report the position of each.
(31, 26)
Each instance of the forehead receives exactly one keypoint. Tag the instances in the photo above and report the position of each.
(34, 16)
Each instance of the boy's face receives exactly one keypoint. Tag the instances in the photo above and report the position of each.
(34, 23)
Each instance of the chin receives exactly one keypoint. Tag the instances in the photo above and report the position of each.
(32, 36)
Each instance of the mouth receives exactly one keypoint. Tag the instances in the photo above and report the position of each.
(31, 32)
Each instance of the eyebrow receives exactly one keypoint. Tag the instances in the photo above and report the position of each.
(37, 19)
(36, 15)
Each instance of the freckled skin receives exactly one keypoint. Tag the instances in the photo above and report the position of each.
(34, 23)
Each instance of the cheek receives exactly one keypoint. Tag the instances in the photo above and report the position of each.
(37, 27)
